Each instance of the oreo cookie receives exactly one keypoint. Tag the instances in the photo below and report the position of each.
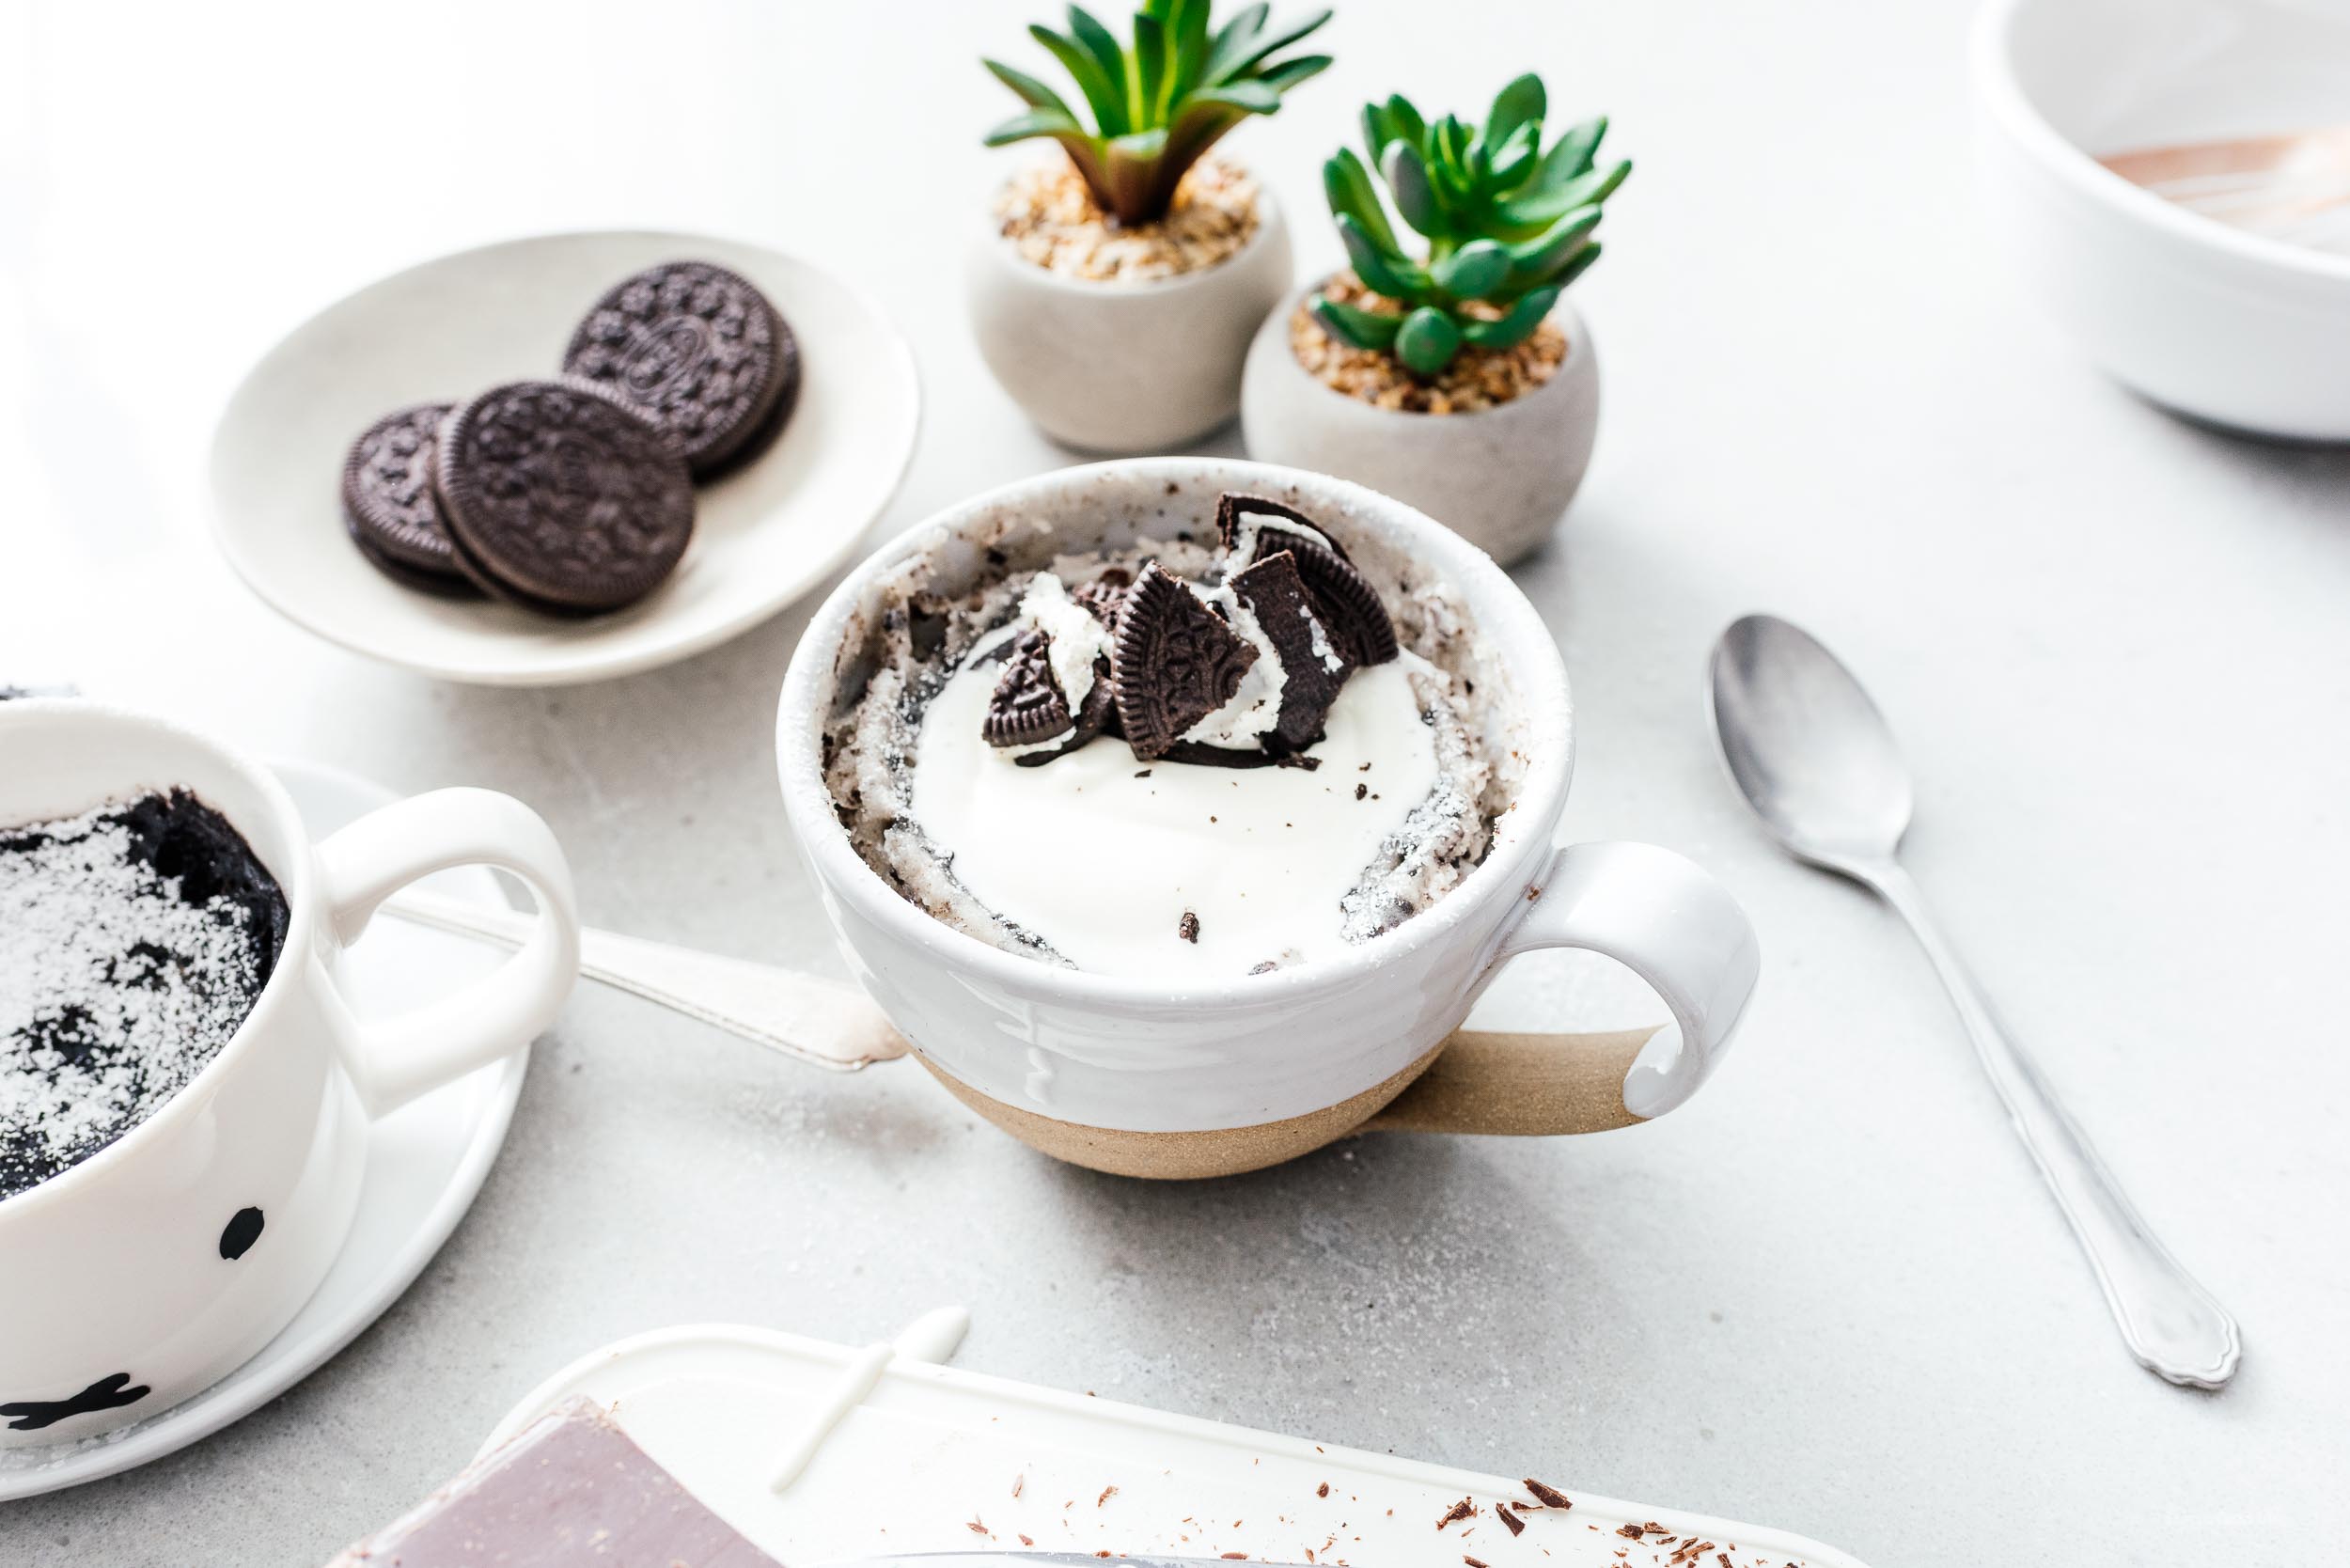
(388, 504)
(1175, 662)
(1234, 505)
(1028, 708)
(1311, 675)
(560, 497)
(701, 351)
(1343, 599)
(1348, 606)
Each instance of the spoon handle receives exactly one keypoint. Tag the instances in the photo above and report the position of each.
(822, 1023)
(2170, 1322)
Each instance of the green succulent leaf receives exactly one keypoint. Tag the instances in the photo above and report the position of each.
(1395, 120)
(1347, 184)
(1363, 329)
(1281, 78)
(1427, 341)
(1381, 267)
(1233, 40)
(1587, 189)
(1266, 46)
(1534, 260)
(1572, 154)
(1188, 51)
(1515, 156)
(1101, 44)
(1474, 271)
(1578, 264)
(1520, 104)
(1102, 93)
(1032, 92)
(1036, 122)
(1145, 63)
(1515, 325)
(1415, 196)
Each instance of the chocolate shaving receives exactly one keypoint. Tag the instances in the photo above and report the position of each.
(1176, 662)
(1459, 1511)
(1517, 1525)
(1188, 928)
(1275, 593)
(1549, 1497)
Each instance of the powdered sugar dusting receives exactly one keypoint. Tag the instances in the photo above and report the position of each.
(134, 939)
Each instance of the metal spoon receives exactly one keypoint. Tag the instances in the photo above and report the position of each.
(1813, 757)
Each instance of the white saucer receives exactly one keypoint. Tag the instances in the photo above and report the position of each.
(425, 1163)
(454, 326)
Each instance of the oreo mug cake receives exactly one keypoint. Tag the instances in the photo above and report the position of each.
(1216, 753)
(1176, 810)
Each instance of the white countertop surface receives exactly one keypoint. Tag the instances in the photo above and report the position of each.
(1829, 1294)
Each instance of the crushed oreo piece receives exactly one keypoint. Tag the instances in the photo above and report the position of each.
(1348, 606)
(1188, 928)
(1105, 595)
(1027, 706)
(1234, 505)
(1176, 662)
(1273, 592)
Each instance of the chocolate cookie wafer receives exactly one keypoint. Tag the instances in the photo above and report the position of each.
(701, 351)
(388, 504)
(561, 497)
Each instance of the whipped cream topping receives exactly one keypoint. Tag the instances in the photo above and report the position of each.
(1101, 857)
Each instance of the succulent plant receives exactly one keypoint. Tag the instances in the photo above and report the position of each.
(1158, 106)
(1508, 225)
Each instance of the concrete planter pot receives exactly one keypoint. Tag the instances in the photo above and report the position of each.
(1126, 366)
(1501, 478)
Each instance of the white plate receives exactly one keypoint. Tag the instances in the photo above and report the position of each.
(762, 536)
(931, 1450)
(425, 1163)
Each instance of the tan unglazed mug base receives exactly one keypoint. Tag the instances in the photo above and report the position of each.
(1512, 1084)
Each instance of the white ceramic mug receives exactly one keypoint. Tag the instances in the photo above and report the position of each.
(146, 1273)
(1154, 1080)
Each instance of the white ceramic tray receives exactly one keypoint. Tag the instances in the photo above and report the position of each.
(933, 1459)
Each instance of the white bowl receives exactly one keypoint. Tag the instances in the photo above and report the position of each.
(2212, 321)
(763, 535)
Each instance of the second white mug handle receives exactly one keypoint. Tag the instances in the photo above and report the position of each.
(1668, 922)
(395, 1059)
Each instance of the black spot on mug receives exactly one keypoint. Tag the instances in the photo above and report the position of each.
(107, 1393)
(238, 1236)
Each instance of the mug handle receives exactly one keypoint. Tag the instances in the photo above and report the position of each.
(1662, 918)
(392, 1061)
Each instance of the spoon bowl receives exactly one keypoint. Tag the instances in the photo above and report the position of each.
(1806, 747)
